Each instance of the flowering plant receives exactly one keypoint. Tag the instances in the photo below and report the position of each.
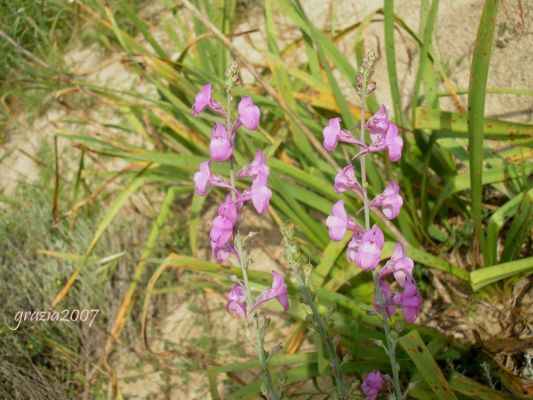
(366, 244)
(224, 235)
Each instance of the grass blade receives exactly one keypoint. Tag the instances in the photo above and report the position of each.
(128, 300)
(388, 13)
(485, 276)
(522, 222)
(451, 124)
(474, 390)
(113, 209)
(427, 367)
(496, 221)
(197, 204)
(476, 113)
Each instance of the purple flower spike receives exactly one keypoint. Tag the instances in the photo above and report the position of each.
(372, 385)
(220, 146)
(369, 252)
(278, 291)
(390, 201)
(338, 222)
(410, 301)
(236, 304)
(346, 180)
(333, 134)
(204, 100)
(400, 265)
(258, 166)
(249, 114)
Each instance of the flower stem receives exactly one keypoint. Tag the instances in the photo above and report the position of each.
(322, 328)
(243, 262)
(390, 344)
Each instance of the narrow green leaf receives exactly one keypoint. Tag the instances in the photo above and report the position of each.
(141, 26)
(453, 124)
(390, 45)
(496, 221)
(485, 276)
(476, 114)
(197, 204)
(111, 212)
(520, 228)
(427, 367)
(493, 175)
(329, 257)
(474, 390)
(424, 51)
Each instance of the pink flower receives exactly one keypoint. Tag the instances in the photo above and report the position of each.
(333, 134)
(259, 193)
(353, 246)
(203, 100)
(223, 227)
(248, 114)
(388, 298)
(384, 135)
(400, 265)
(394, 143)
(203, 179)
(338, 222)
(278, 291)
(228, 209)
(390, 201)
(372, 385)
(410, 301)
(346, 180)
(258, 166)
(237, 300)
(221, 231)
(369, 252)
(221, 254)
(378, 125)
(220, 146)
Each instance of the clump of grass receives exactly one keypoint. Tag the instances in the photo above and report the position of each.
(46, 360)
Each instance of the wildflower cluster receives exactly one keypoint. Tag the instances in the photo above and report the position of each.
(221, 148)
(366, 246)
(367, 243)
(224, 234)
(224, 226)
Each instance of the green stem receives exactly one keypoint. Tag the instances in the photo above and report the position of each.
(391, 348)
(364, 182)
(243, 262)
(390, 345)
(322, 328)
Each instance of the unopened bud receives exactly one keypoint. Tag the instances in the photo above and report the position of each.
(371, 87)
(276, 348)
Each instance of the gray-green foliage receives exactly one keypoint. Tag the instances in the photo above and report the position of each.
(44, 359)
